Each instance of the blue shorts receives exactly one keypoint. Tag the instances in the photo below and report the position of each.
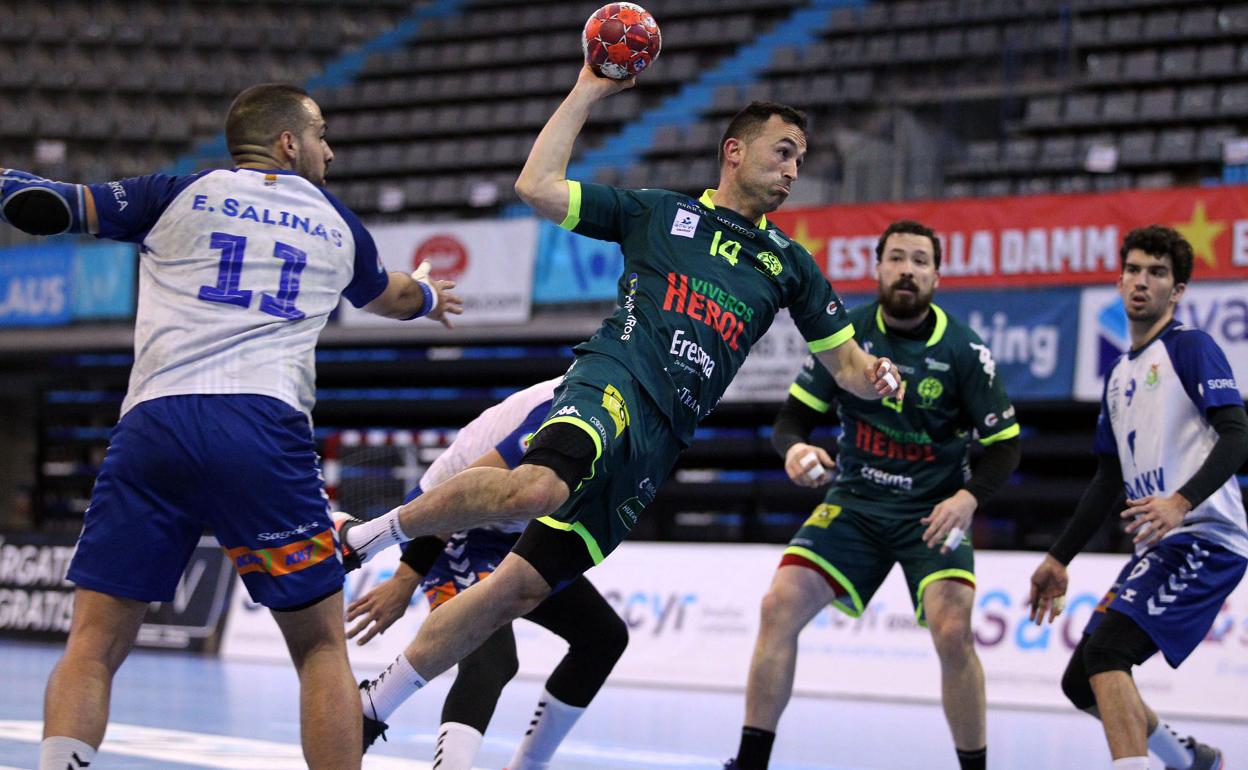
(1174, 592)
(244, 466)
(468, 558)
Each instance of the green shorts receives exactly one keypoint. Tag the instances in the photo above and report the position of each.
(855, 552)
(636, 450)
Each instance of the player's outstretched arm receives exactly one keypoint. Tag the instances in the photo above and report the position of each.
(543, 182)
(407, 297)
(41, 206)
(861, 373)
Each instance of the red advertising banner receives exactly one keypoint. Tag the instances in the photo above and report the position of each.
(1029, 241)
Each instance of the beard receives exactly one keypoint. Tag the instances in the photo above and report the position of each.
(905, 307)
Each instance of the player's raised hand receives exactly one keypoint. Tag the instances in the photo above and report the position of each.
(1048, 590)
(1155, 516)
(380, 607)
(949, 521)
(600, 87)
(808, 465)
(887, 381)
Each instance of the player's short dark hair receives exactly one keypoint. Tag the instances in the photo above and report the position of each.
(1161, 241)
(262, 112)
(749, 122)
(911, 227)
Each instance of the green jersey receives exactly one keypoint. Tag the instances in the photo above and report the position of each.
(902, 458)
(700, 286)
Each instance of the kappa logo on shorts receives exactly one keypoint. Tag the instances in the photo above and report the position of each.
(613, 402)
(825, 514)
(567, 410)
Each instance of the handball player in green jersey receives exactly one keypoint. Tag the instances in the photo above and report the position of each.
(901, 492)
(703, 278)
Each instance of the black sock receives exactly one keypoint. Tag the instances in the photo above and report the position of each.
(973, 760)
(755, 750)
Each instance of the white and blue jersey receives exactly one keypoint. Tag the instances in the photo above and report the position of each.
(238, 273)
(1154, 417)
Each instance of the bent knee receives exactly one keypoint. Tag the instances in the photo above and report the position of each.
(611, 638)
(534, 490)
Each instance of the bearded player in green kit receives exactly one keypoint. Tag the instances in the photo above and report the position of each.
(703, 279)
(903, 492)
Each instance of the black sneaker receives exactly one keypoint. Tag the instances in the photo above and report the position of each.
(1207, 757)
(343, 522)
(373, 728)
(731, 764)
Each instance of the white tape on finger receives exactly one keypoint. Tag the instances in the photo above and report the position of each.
(890, 379)
(814, 469)
(954, 538)
(1059, 603)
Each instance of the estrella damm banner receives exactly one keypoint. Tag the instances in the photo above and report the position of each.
(1030, 240)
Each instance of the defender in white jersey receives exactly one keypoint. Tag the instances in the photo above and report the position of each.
(1171, 435)
(239, 270)
(441, 568)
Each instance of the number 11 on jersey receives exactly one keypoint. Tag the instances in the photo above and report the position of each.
(230, 273)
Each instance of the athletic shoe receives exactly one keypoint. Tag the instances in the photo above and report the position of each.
(732, 764)
(343, 522)
(373, 728)
(1207, 757)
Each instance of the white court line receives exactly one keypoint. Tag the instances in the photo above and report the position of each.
(224, 752)
(227, 752)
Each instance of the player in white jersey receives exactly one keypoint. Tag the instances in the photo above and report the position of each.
(1172, 432)
(442, 568)
(239, 271)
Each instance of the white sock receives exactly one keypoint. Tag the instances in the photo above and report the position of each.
(377, 534)
(60, 753)
(1131, 763)
(457, 747)
(551, 722)
(1165, 743)
(391, 687)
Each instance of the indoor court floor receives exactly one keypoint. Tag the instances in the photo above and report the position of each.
(179, 711)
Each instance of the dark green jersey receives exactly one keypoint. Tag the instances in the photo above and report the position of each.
(904, 458)
(700, 286)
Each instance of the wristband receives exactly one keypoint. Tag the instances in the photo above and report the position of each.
(430, 303)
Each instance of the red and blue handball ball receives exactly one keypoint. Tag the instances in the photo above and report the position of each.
(621, 40)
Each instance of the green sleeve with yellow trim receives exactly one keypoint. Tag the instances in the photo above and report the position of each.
(604, 212)
(820, 315)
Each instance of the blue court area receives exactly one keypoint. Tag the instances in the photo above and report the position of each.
(178, 711)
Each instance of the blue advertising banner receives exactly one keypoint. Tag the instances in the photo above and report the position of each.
(104, 280)
(1033, 336)
(1219, 308)
(34, 284)
(573, 268)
